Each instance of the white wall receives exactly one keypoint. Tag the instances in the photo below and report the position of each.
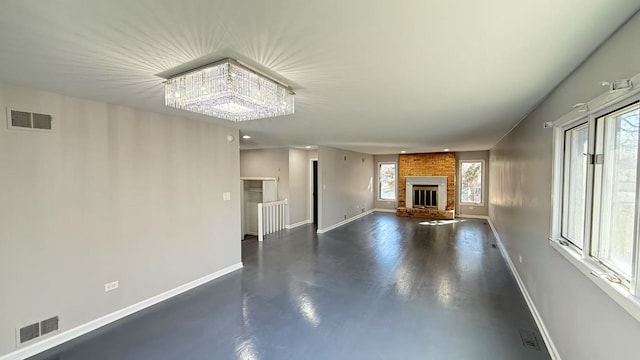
(267, 163)
(113, 194)
(345, 186)
(475, 210)
(298, 186)
(583, 322)
(383, 204)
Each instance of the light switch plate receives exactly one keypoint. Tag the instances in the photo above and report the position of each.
(226, 196)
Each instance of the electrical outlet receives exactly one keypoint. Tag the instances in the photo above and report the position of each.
(111, 286)
(520, 259)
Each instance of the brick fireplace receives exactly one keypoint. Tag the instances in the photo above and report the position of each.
(430, 178)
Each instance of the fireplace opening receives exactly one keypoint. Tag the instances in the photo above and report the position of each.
(425, 196)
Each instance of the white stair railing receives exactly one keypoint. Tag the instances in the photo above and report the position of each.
(272, 217)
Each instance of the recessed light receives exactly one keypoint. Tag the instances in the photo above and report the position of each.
(308, 147)
(446, 149)
(246, 137)
(403, 152)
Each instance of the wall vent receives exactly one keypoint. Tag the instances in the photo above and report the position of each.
(18, 119)
(29, 332)
(32, 331)
(49, 325)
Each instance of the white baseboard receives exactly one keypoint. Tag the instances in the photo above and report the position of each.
(553, 351)
(80, 330)
(472, 216)
(303, 222)
(329, 228)
(385, 210)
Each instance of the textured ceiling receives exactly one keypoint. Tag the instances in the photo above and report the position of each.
(370, 76)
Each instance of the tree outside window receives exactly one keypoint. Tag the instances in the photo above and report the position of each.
(471, 182)
(387, 181)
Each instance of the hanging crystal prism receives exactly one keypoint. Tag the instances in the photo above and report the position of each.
(228, 90)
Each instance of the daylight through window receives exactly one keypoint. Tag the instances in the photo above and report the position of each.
(471, 182)
(599, 212)
(387, 181)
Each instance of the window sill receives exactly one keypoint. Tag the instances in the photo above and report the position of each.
(471, 204)
(617, 292)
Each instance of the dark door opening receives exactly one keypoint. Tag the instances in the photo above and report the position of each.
(315, 192)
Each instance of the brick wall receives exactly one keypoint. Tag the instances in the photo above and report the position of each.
(433, 164)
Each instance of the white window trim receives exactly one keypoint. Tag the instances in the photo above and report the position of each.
(482, 185)
(627, 298)
(378, 180)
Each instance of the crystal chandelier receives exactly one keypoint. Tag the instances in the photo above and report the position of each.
(229, 90)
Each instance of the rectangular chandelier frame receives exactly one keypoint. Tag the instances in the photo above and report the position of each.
(229, 90)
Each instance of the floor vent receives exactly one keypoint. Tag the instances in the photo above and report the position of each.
(26, 120)
(529, 339)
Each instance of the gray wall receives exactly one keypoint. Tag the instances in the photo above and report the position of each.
(267, 163)
(382, 204)
(483, 210)
(291, 167)
(345, 186)
(298, 186)
(583, 322)
(113, 194)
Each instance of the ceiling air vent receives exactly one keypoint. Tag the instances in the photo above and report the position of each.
(26, 120)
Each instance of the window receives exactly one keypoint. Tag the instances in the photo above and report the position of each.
(575, 181)
(596, 218)
(386, 181)
(471, 182)
(615, 191)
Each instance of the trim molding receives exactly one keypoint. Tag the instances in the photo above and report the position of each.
(343, 222)
(303, 222)
(553, 351)
(473, 217)
(80, 330)
(385, 210)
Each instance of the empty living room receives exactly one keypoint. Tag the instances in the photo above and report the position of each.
(271, 180)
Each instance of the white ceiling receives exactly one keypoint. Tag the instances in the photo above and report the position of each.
(370, 76)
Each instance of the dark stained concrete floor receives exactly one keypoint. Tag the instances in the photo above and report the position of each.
(381, 287)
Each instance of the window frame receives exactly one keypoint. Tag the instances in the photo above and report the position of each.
(626, 294)
(379, 190)
(482, 182)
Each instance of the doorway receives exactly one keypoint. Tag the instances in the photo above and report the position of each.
(314, 190)
(254, 190)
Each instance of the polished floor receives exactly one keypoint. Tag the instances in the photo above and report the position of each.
(381, 287)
